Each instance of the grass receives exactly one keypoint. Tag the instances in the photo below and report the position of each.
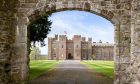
(102, 67)
(38, 67)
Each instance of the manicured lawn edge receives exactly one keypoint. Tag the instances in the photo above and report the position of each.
(101, 67)
(40, 67)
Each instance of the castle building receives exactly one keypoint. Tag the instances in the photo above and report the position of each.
(77, 48)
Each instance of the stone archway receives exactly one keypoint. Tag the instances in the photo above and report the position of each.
(124, 14)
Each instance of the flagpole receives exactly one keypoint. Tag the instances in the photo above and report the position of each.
(65, 32)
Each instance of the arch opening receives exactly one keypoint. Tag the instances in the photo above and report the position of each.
(84, 57)
(69, 57)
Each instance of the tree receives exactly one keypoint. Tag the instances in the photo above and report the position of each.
(39, 30)
(34, 53)
(93, 56)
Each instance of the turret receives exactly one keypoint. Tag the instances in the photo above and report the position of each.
(77, 37)
(90, 48)
(50, 48)
(56, 36)
(89, 39)
(77, 46)
(62, 46)
(100, 41)
(62, 38)
(83, 39)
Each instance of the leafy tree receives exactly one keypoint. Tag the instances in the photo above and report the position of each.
(34, 53)
(93, 56)
(39, 30)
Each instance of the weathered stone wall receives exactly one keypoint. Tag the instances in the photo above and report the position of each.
(20, 58)
(84, 50)
(69, 47)
(103, 51)
(8, 25)
(135, 42)
(77, 46)
(62, 47)
(50, 48)
(14, 15)
(13, 43)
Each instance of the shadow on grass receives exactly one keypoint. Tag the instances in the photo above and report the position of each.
(35, 72)
(37, 68)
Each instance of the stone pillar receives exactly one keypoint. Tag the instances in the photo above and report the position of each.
(116, 54)
(122, 51)
(135, 43)
(125, 41)
(20, 59)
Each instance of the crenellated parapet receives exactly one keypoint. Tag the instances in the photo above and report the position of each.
(98, 44)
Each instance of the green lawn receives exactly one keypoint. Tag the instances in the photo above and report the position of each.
(38, 67)
(103, 67)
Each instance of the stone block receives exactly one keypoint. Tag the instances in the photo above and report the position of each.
(125, 77)
(124, 66)
(31, 1)
(117, 66)
(27, 5)
(22, 31)
(124, 59)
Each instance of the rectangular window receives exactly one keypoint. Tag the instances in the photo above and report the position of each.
(62, 46)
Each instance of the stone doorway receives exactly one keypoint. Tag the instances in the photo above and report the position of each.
(70, 57)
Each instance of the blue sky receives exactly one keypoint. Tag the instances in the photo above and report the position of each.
(81, 23)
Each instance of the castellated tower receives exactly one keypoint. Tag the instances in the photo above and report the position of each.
(53, 48)
(90, 48)
(77, 46)
(69, 50)
(86, 53)
(62, 47)
(50, 48)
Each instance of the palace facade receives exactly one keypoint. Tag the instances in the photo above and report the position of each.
(77, 48)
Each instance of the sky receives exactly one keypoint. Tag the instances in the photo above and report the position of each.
(80, 23)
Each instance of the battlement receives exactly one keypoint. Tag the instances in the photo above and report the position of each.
(83, 39)
(77, 48)
(99, 44)
(90, 39)
(56, 36)
(49, 38)
(53, 38)
(84, 42)
(62, 37)
(77, 36)
(69, 41)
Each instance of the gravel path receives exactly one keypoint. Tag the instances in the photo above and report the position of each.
(71, 72)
